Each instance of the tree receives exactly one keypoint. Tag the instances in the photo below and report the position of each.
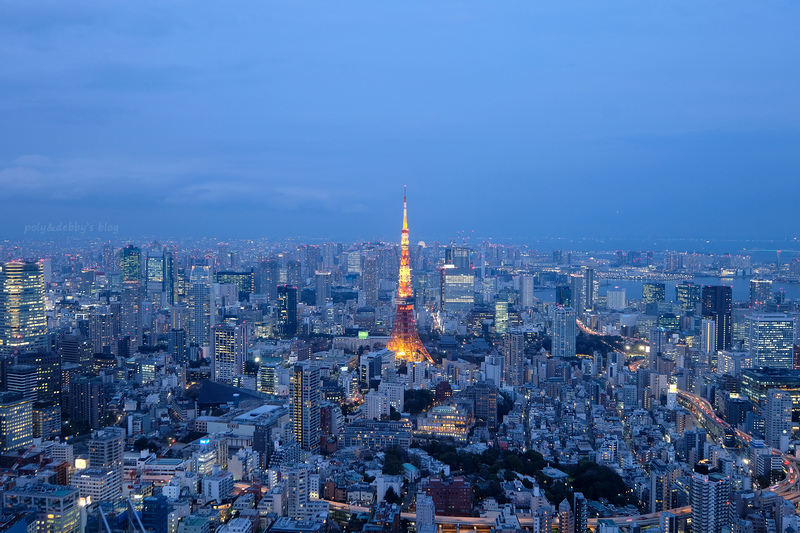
(417, 400)
(142, 443)
(391, 496)
(394, 414)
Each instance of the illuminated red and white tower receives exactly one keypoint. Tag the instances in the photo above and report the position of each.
(404, 341)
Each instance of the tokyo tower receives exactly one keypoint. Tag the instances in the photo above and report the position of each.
(404, 341)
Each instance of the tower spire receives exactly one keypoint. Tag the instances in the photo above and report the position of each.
(405, 342)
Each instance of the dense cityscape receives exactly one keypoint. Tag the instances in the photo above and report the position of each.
(248, 387)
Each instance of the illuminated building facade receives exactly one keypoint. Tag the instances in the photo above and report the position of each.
(23, 322)
(201, 306)
(770, 340)
(760, 292)
(16, 422)
(287, 311)
(405, 341)
(446, 421)
(229, 351)
(305, 402)
(57, 509)
(457, 288)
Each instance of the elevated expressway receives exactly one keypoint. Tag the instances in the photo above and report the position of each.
(700, 408)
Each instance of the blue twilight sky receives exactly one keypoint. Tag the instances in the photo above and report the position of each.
(517, 120)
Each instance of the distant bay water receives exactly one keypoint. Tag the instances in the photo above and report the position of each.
(633, 288)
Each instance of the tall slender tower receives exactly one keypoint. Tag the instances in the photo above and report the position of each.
(405, 341)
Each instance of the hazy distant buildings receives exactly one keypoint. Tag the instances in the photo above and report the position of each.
(23, 323)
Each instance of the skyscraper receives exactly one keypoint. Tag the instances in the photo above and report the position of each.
(287, 311)
(577, 292)
(514, 351)
(131, 263)
(131, 310)
(760, 292)
(778, 419)
(564, 332)
(458, 256)
(615, 299)
(653, 292)
(323, 284)
(770, 339)
(526, 286)
(457, 288)
(718, 306)
(305, 404)
(267, 279)
(405, 341)
(688, 295)
(201, 306)
(229, 351)
(709, 497)
(370, 281)
(23, 322)
(564, 296)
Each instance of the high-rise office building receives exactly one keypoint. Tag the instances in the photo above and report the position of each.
(176, 345)
(687, 294)
(244, 281)
(106, 449)
(87, 401)
(370, 281)
(131, 310)
(16, 422)
(323, 285)
(564, 296)
(48, 374)
(770, 339)
(287, 311)
(778, 419)
(709, 496)
(514, 353)
(23, 380)
(305, 401)
(615, 299)
(267, 279)
(589, 289)
(526, 286)
(131, 263)
(294, 273)
(229, 351)
(458, 256)
(155, 276)
(718, 306)
(760, 292)
(201, 306)
(653, 292)
(564, 332)
(500, 317)
(577, 291)
(23, 320)
(457, 288)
